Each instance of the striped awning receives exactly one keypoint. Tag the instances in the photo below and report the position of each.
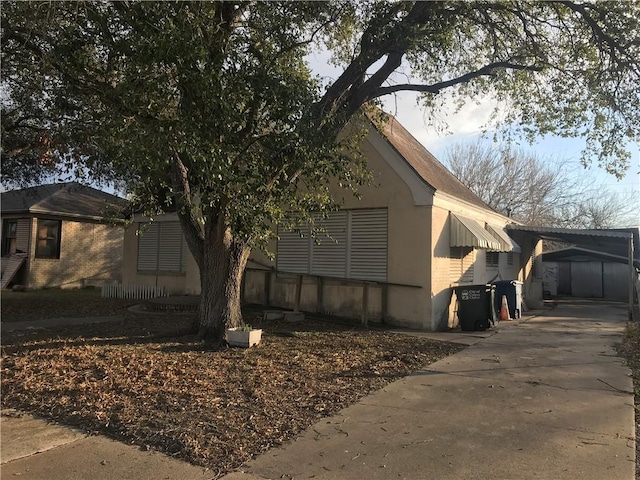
(468, 233)
(507, 243)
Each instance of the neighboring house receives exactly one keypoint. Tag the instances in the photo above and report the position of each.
(396, 253)
(580, 272)
(60, 235)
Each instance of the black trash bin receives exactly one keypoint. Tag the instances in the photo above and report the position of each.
(512, 289)
(475, 306)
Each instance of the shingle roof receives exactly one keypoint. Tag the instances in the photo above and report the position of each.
(71, 199)
(425, 164)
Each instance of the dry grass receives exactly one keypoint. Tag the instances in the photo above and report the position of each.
(141, 382)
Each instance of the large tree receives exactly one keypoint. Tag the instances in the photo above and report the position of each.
(551, 192)
(211, 108)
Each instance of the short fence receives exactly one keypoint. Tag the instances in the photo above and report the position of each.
(138, 292)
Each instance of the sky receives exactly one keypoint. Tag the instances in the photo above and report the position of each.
(467, 125)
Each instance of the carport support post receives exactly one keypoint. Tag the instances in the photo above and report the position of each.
(631, 277)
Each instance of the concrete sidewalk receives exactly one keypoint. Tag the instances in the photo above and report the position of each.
(543, 399)
(546, 398)
(56, 322)
(33, 449)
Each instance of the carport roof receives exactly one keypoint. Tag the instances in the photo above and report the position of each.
(611, 241)
(581, 254)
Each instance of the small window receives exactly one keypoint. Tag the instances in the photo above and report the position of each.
(510, 259)
(492, 259)
(9, 235)
(48, 241)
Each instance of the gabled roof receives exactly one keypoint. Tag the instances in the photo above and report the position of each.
(428, 168)
(66, 199)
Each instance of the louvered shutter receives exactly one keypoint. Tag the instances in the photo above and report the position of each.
(461, 264)
(455, 264)
(293, 250)
(170, 254)
(468, 263)
(329, 248)
(148, 246)
(23, 232)
(368, 246)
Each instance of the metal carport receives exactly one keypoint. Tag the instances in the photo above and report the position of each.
(623, 242)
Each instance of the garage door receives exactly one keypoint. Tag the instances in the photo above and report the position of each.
(616, 281)
(586, 279)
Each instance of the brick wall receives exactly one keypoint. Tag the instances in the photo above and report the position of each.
(442, 309)
(90, 254)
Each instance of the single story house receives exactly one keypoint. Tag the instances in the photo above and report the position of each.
(60, 235)
(394, 255)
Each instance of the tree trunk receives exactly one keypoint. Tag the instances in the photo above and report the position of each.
(221, 269)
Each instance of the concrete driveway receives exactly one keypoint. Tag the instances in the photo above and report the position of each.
(546, 398)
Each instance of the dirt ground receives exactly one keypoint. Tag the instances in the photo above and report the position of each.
(144, 382)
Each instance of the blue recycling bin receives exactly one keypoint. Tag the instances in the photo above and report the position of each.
(512, 289)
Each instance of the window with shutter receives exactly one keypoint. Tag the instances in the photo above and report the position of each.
(161, 247)
(461, 264)
(293, 250)
(368, 245)
(354, 245)
(170, 249)
(148, 237)
(492, 259)
(329, 248)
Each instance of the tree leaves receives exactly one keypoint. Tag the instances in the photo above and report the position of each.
(226, 85)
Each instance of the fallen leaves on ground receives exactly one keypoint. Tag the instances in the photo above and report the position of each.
(139, 382)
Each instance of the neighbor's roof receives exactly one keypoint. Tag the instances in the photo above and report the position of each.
(434, 173)
(66, 199)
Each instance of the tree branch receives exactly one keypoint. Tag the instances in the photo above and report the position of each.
(436, 87)
(364, 92)
(191, 226)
